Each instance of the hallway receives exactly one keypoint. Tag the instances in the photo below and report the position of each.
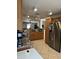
(45, 51)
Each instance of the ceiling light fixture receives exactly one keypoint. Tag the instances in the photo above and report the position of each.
(35, 9)
(35, 5)
(28, 16)
(50, 13)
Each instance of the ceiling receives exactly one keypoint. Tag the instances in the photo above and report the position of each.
(43, 7)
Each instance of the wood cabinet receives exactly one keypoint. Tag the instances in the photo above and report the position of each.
(36, 35)
(47, 22)
(55, 42)
(19, 15)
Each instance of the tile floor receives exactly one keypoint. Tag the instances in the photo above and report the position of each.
(44, 50)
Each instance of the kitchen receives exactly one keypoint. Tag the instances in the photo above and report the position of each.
(33, 19)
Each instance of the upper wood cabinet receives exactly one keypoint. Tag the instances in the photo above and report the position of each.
(19, 15)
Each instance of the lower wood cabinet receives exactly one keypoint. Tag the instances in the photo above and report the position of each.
(36, 35)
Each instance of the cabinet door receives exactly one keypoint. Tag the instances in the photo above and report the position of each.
(58, 40)
(47, 22)
(19, 15)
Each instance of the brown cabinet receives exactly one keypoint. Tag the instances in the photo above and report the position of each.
(19, 15)
(36, 35)
(52, 38)
(47, 22)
